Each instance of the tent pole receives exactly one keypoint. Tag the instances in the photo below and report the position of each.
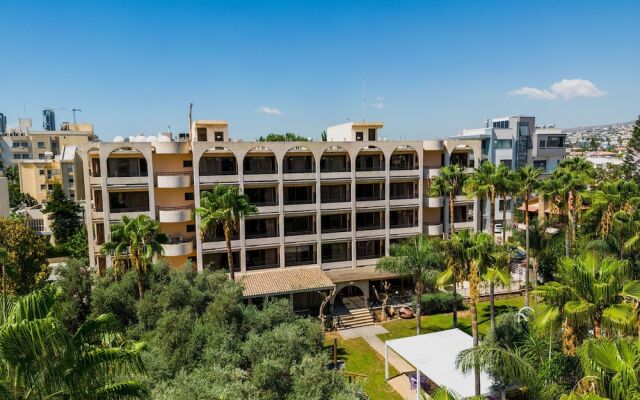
(386, 362)
(417, 384)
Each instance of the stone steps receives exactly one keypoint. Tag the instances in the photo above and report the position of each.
(356, 318)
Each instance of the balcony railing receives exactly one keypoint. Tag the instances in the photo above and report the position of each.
(255, 266)
(127, 174)
(327, 200)
(333, 259)
(264, 203)
(218, 238)
(369, 198)
(129, 210)
(261, 235)
(402, 196)
(368, 256)
(370, 227)
(294, 202)
(404, 225)
(259, 172)
(336, 169)
(299, 171)
(337, 229)
(215, 173)
(298, 261)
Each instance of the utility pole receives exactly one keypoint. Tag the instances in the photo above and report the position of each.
(190, 120)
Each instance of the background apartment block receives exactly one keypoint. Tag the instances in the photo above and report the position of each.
(46, 157)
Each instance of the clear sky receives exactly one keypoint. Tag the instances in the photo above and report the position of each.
(431, 68)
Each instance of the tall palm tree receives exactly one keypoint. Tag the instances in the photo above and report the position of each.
(481, 254)
(484, 183)
(419, 258)
(136, 240)
(528, 181)
(3, 262)
(40, 359)
(506, 187)
(615, 363)
(590, 293)
(497, 274)
(224, 205)
(614, 206)
(454, 252)
(449, 183)
(566, 186)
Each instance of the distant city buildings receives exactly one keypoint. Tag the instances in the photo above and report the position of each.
(45, 157)
(48, 120)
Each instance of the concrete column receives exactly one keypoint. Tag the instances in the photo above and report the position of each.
(196, 154)
(421, 196)
(387, 201)
(241, 230)
(280, 161)
(353, 157)
(318, 210)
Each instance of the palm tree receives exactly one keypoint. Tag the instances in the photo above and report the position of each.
(481, 254)
(418, 257)
(454, 252)
(40, 359)
(3, 261)
(614, 206)
(136, 240)
(224, 205)
(484, 182)
(497, 274)
(615, 364)
(506, 186)
(449, 183)
(568, 181)
(528, 181)
(590, 293)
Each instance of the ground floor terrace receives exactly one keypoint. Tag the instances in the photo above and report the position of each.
(342, 291)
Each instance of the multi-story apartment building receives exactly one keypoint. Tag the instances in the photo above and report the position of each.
(46, 157)
(37, 177)
(333, 206)
(516, 141)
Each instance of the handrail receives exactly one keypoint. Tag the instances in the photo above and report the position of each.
(175, 208)
(174, 173)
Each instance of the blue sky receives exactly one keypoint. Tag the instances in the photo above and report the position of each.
(431, 68)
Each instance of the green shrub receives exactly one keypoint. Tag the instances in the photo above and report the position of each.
(439, 303)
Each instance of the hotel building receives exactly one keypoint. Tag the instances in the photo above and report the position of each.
(335, 205)
(327, 210)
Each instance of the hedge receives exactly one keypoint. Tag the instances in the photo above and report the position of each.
(439, 303)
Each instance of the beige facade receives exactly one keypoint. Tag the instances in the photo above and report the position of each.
(336, 205)
(37, 177)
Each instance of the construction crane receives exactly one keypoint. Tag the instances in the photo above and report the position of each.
(73, 110)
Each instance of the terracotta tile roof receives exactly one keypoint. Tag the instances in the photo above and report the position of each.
(283, 281)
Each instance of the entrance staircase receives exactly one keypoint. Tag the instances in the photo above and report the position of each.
(356, 318)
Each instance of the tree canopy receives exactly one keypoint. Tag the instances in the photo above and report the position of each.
(280, 137)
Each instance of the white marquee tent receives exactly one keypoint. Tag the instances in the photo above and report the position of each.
(434, 355)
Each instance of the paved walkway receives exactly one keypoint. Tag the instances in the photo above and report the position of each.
(399, 383)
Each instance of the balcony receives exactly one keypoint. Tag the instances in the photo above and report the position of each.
(171, 180)
(464, 225)
(300, 255)
(368, 251)
(431, 173)
(433, 229)
(299, 167)
(178, 246)
(262, 259)
(176, 147)
(171, 215)
(433, 202)
(260, 169)
(127, 171)
(117, 213)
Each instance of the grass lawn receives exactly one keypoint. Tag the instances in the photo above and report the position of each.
(360, 358)
(432, 323)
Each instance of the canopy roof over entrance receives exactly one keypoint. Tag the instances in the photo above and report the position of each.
(283, 281)
(434, 355)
